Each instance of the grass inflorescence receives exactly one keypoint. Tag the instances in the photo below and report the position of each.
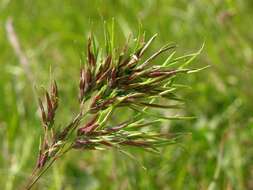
(115, 78)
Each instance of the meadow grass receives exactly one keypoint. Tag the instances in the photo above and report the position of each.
(217, 154)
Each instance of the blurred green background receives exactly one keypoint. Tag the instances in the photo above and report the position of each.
(219, 152)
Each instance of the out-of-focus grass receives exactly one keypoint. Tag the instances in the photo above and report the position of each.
(218, 154)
